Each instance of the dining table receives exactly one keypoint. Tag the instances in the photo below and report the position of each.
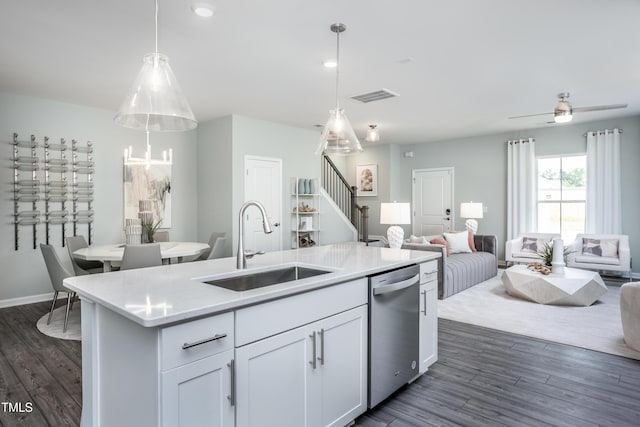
(109, 254)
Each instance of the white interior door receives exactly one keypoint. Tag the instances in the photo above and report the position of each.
(263, 183)
(433, 211)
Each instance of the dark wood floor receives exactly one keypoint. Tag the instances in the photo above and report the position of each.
(483, 378)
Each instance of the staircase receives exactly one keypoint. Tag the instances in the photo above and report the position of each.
(344, 196)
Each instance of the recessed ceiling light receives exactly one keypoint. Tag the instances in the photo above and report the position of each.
(330, 63)
(203, 10)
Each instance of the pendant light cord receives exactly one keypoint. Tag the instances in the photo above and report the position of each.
(156, 22)
(337, 69)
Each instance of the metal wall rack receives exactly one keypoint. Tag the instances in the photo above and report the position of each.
(55, 190)
(82, 186)
(26, 186)
(52, 187)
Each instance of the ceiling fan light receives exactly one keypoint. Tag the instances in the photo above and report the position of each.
(562, 116)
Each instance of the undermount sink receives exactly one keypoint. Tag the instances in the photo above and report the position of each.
(265, 278)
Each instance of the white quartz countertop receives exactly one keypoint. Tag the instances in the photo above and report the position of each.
(172, 293)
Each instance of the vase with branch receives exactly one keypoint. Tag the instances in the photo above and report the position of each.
(546, 253)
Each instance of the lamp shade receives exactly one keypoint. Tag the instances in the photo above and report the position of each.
(395, 213)
(338, 136)
(471, 210)
(372, 134)
(155, 102)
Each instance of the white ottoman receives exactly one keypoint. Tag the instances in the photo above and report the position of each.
(630, 313)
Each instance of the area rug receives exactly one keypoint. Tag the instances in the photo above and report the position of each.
(54, 329)
(487, 304)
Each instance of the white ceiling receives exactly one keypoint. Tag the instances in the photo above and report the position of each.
(461, 67)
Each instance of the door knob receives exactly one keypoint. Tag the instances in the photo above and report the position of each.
(447, 218)
(276, 224)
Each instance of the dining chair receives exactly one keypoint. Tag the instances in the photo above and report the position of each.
(212, 242)
(217, 250)
(57, 273)
(161, 236)
(141, 256)
(80, 266)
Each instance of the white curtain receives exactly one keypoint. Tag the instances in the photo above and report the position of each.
(604, 213)
(521, 187)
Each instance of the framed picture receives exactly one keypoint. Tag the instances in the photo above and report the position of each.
(367, 180)
(153, 182)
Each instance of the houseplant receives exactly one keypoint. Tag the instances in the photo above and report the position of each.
(546, 253)
(150, 229)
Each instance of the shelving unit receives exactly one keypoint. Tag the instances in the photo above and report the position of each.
(46, 181)
(55, 186)
(82, 186)
(305, 212)
(26, 186)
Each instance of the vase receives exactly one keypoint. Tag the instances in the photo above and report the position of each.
(557, 260)
(306, 186)
(301, 186)
(312, 186)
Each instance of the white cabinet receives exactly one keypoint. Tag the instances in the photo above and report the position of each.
(196, 384)
(428, 314)
(313, 375)
(199, 394)
(305, 212)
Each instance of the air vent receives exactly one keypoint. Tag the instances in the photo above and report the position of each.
(375, 96)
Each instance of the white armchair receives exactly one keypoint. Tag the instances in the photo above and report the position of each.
(607, 252)
(517, 252)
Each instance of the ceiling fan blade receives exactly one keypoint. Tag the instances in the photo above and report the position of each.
(529, 115)
(599, 108)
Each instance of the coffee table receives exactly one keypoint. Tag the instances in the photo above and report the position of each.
(574, 287)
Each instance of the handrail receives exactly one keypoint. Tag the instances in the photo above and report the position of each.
(344, 195)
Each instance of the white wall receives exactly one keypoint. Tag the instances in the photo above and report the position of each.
(295, 146)
(25, 274)
(214, 168)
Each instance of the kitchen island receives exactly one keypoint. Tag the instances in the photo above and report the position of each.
(162, 347)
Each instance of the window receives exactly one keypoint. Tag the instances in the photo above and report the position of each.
(562, 195)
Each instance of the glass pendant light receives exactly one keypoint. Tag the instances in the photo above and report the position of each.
(373, 134)
(338, 136)
(155, 102)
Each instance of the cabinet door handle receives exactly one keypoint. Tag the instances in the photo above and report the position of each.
(313, 343)
(232, 391)
(321, 358)
(204, 341)
(424, 299)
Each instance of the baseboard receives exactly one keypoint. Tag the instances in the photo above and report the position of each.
(11, 302)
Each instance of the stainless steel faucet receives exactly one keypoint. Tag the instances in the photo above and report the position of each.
(242, 256)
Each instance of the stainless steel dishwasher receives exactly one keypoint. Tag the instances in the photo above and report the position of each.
(394, 302)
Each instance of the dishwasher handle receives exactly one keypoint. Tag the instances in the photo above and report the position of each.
(380, 290)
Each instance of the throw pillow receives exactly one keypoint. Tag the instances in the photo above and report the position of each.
(530, 244)
(416, 239)
(600, 247)
(458, 242)
(441, 241)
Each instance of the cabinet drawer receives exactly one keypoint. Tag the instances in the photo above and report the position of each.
(263, 320)
(429, 271)
(191, 341)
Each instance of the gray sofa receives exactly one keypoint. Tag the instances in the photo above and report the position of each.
(458, 272)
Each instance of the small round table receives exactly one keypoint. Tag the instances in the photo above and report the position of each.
(574, 287)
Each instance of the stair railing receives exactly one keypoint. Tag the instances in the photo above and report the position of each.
(344, 195)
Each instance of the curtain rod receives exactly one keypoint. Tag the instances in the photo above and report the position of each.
(523, 140)
(601, 131)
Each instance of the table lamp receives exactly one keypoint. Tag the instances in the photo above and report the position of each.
(471, 211)
(394, 214)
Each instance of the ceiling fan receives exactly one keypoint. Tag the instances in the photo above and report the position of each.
(563, 113)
